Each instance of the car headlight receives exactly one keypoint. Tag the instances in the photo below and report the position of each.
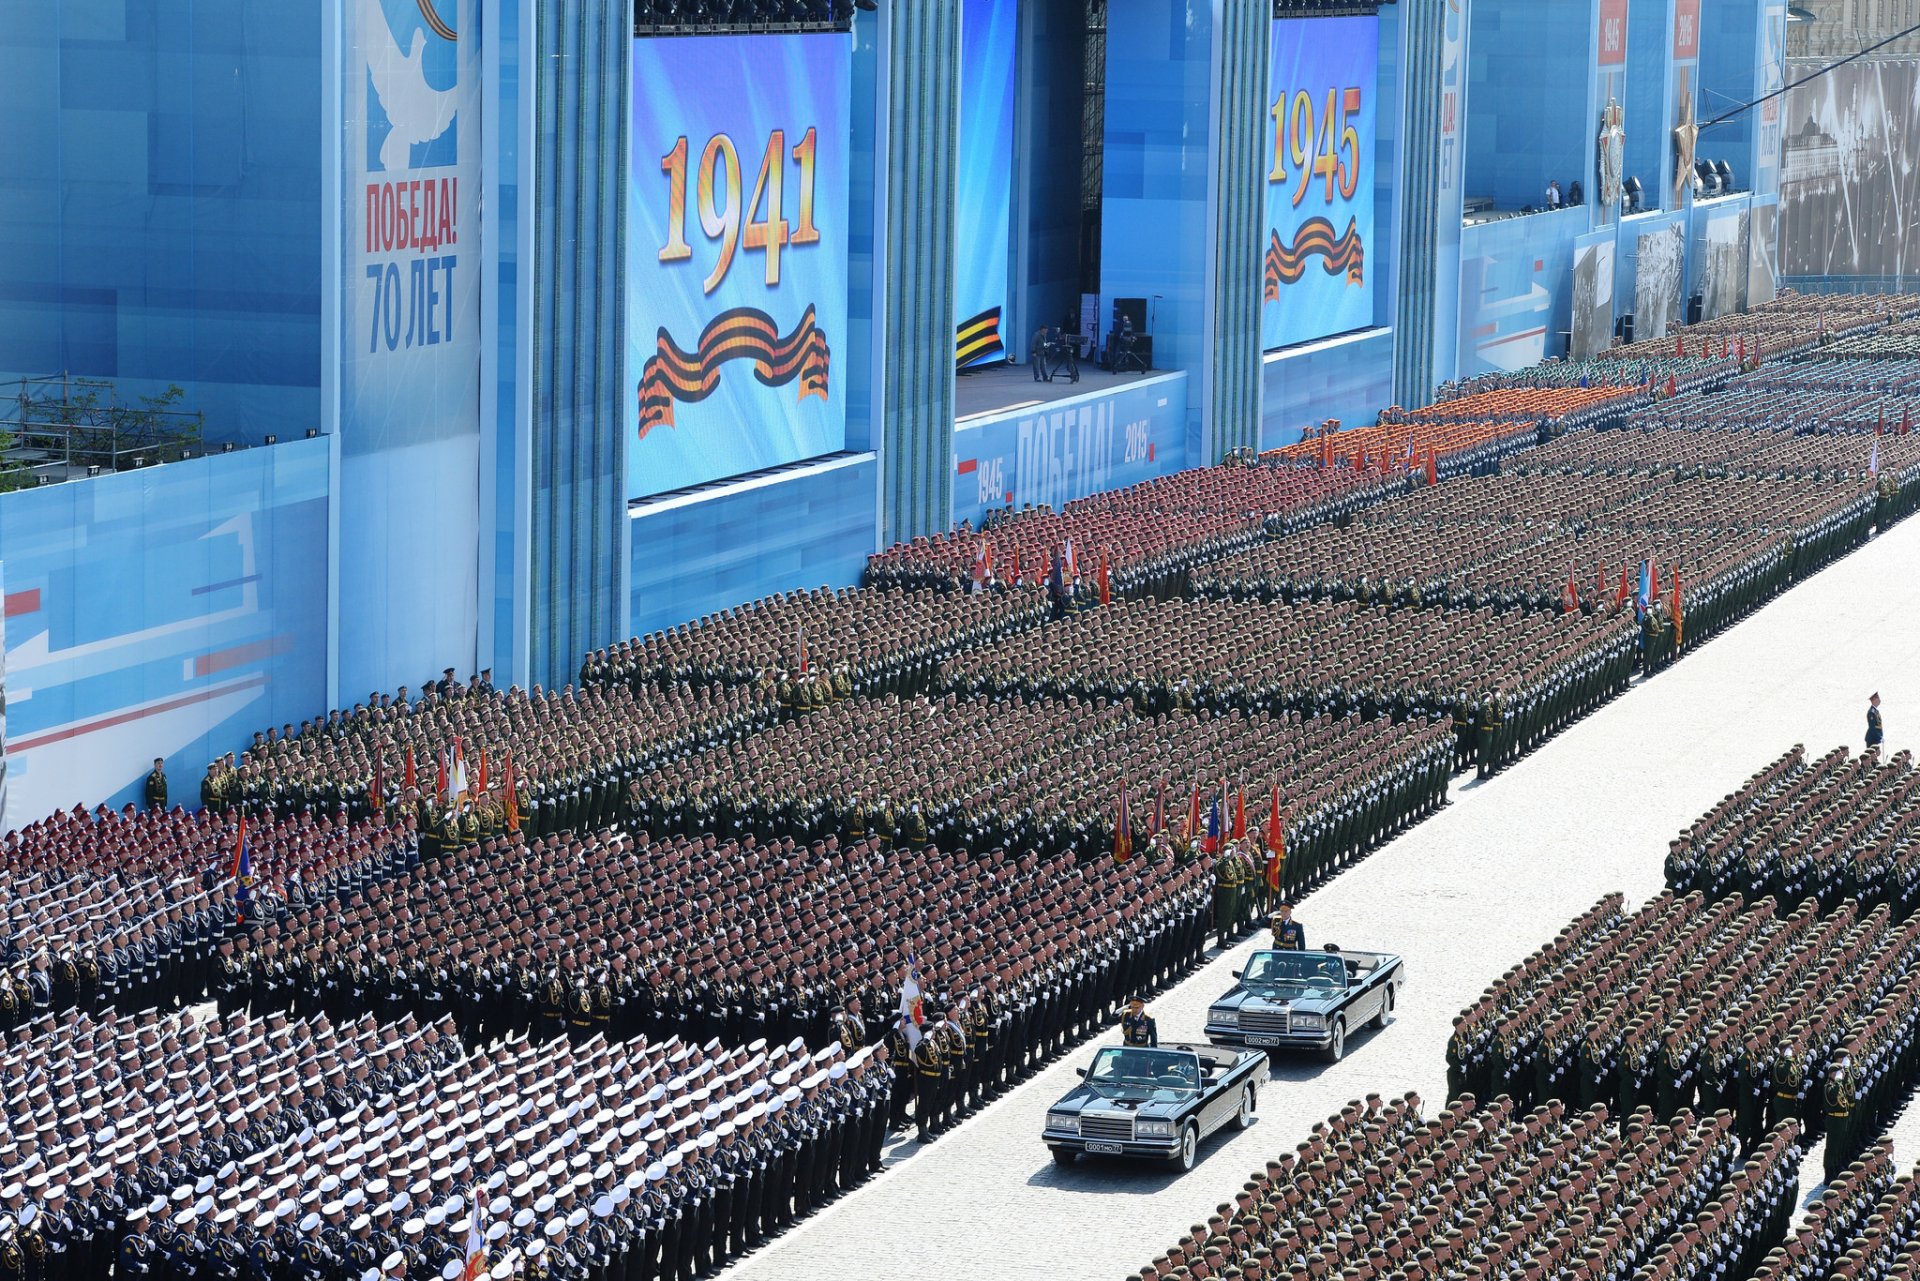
(1224, 1018)
(1153, 1129)
(1308, 1020)
(1063, 1121)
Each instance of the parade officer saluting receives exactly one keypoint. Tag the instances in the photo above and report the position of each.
(1137, 1026)
(1288, 934)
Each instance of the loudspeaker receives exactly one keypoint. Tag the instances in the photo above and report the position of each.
(1626, 327)
(1133, 307)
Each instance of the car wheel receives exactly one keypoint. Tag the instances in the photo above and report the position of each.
(1243, 1119)
(1385, 1016)
(1337, 1045)
(1063, 1156)
(1189, 1147)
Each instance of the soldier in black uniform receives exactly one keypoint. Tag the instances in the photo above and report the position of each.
(1137, 1026)
(1876, 731)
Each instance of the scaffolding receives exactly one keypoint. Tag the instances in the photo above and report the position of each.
(57, 427)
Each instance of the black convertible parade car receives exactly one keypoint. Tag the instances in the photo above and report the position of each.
(1306, 1000)
(1156, 1103)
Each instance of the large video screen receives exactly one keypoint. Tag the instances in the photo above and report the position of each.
(1320, 138)
(983, 180)
(736, 255)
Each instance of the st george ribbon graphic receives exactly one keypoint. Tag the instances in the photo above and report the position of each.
(741, 333)
(1286, 264)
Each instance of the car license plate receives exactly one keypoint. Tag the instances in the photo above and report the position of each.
(1263, 1040)
(1113, 1149)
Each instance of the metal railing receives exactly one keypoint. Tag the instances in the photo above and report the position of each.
(58, 427)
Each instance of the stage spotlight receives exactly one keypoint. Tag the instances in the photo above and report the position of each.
(871, 6)
(1709, 180)
(1633, 193)
(1725, 171)
(1797, 14)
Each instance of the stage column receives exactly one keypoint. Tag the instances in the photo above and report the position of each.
(921, 49)
(578, 274)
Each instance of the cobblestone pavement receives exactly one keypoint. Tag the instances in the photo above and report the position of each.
(1461, 897)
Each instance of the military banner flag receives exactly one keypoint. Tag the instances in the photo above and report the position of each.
(1276, 842)
(1123, 830)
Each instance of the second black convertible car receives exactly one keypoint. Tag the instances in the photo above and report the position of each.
(1307, 1000)
(1155, 1102)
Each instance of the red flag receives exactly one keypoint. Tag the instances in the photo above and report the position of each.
(1276, 842)
(1673, 386)
(1741, 349)
(1626, 592)
(480, 783)
(1122, 830)
(1678, 630)
(1726, 348)
(407, 778)
(1433, 467)
(1679, 346)
(1653, 582)
(1880, 427)
(1906, 419)
(1193, 816)
(1756, 351)
(1106, 588)
(513, 797)
(1240, 815)
(1016, 565)
(377, 793)
(1573, 592)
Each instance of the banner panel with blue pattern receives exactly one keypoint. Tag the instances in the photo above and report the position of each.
(737, 253)
(1320, 141)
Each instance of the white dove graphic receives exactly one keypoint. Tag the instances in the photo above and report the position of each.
(417, 111)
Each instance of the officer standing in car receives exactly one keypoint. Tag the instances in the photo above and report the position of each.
(1137, 1026)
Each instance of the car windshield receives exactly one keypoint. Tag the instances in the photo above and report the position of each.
(1297, 971)
(1133, 1073)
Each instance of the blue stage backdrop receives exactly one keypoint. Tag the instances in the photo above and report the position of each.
(166, 612)
(1320, 139)
(737, 245)
(983, 183)
(1050, 455)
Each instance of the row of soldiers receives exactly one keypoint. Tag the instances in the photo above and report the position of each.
(1323, 659)
(1143, 538)
(1864, 1224)
(1689, 1003)
(618, 935)
(569, 1162)
(567, 753)
(854, 640)
(124, 909)
(106, 1114)
(1377, 1192)
(1832, 828)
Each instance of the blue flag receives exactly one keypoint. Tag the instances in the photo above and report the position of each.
(243, 874)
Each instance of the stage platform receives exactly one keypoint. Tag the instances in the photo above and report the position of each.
(998, 389)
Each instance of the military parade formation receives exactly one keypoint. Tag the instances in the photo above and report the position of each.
(621, 979)
(1381, 1192)
(1707, 1005)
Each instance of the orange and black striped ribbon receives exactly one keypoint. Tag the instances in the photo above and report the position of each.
(1287, 264)
(977, 338)
(741, 333)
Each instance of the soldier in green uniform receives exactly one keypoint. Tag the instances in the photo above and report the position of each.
(156, 786)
